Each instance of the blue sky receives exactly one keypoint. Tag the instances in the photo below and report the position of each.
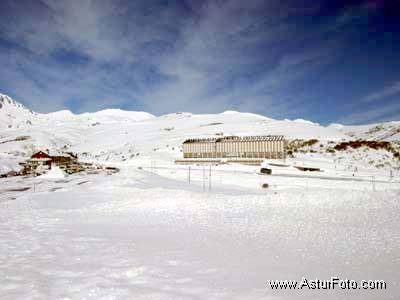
(326, 61)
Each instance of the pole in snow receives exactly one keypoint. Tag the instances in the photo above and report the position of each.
(373, 183)
(209, 180)
(189, 174)
(204, 179)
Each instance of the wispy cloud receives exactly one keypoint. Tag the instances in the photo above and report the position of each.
(117, 43)
(232, 59)
(200, 56)
(388, 112)
(388, 91)
(380, 105)
(376, 106)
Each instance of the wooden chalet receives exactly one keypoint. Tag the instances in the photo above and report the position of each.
(42, 161)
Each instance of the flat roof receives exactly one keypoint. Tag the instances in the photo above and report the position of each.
(254, 138)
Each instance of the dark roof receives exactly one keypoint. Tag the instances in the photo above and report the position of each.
(254, 138)
(40, 154)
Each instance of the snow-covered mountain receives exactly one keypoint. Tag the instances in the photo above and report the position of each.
(107, 115)
(13, 114)
(121, 136)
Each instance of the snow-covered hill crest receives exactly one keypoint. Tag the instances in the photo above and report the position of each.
(15, 115)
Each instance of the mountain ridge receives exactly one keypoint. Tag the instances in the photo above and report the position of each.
(117, 112)
(122, 136)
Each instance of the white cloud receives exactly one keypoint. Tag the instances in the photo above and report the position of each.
(217, 49)
(100, 30)
(226, 55)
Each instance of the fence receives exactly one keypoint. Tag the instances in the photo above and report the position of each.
(211, 176)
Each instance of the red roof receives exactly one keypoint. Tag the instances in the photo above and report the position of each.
(40, 154)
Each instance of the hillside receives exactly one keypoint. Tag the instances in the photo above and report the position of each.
(118, 136)
(13, 114)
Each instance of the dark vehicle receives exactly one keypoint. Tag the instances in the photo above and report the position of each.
(266, 171)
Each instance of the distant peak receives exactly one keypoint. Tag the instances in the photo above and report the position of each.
(230, 112)
(244, 114)
(8, 101)
(112, 111)
(305, 122)
(121, 112)
(60, 114)
(336, 125)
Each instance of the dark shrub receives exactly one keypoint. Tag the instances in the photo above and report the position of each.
(310, 142)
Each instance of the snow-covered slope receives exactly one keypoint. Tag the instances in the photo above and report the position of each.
(389, 131)
(13, 114)
(139, 235)
(152, 230)
(115, 135)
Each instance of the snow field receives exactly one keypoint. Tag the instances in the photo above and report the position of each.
(147, 233)
(146, 236)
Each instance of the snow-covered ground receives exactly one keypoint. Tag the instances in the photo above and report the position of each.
(157, 230)
(140, 234)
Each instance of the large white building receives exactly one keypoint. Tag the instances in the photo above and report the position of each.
(270, 146)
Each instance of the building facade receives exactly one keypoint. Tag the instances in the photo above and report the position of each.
(41, 161)
(270, 146)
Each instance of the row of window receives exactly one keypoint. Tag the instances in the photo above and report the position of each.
(239, 147)
(241, 155)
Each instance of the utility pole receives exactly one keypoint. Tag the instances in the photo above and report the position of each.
(373, 183)
(209, 180)
(189, 175)
(153, 166)
(204, 179)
